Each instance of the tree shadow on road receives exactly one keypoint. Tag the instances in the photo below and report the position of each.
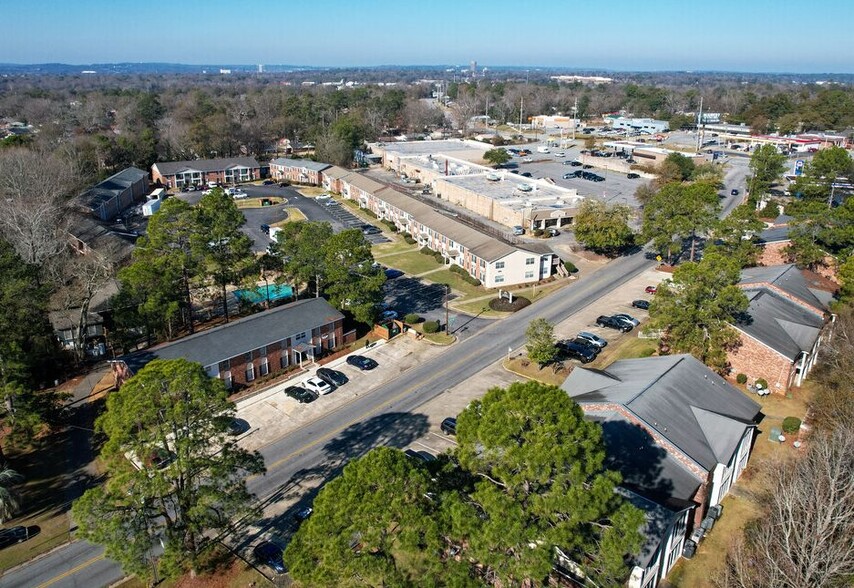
(390, 430)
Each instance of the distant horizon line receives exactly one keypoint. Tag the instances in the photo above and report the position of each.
(463, 67)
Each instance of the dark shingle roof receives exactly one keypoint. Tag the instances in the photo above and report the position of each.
(646, 467)
(787, 278)
(774, 235)
(658, 520)
(665, 393)
(781, 324)
(232, 339)
(168, 168)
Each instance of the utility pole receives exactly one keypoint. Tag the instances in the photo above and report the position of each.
(699, 123)
(574, 117)
(521, 107)
(447, 295)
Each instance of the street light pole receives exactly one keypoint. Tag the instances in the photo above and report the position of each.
(447, 295)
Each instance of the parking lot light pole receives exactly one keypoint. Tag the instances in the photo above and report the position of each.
(447, 295)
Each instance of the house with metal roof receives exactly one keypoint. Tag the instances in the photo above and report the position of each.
(783, 328)
(298, 171)
(108, 199)
(252, 347)
(224, 170)
(679, 434)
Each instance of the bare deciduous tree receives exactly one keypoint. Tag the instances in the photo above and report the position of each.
(806, 537)
(834, 400)
(33, 187)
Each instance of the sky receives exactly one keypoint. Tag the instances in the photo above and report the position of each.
(803, 36)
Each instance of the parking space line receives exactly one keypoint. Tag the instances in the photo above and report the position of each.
(445, 437)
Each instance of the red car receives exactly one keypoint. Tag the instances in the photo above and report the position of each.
(651, 290)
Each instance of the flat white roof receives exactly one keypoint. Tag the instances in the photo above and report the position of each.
(516, 192)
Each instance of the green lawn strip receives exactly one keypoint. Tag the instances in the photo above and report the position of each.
(456, 282)
(242, 203)
(294, 214)
(411, 262)
(398, 245)
(628, 346)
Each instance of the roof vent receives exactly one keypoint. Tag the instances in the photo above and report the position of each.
(524, 187)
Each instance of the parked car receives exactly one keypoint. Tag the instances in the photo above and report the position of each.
(12, 535)
(627, 317)
(592, 339)
(332, 377)
(391, 274)
(552, 232)
(560, 154)
(300, 394)
(361, 362)
(518, 230)
(611, 322)
(575, 163)
(570, 175)
(574, 350)
(594, 349)
(587, 166)
(239, 195)
(234, 425)
(633, 176)
(642, 304)
(568, 162)
(370, 230)
(317, 385)
(270, 554)
(303, 514)
(650, 290)
(268, 182)
(734, 192)
(284, 183)
(449, 426)
(527, 175)
(265, 229)
(388, 315)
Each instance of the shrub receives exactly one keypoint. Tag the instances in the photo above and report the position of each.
(412, 318)
(409, 240)
(430, 326)
(426, 250)
(502, 305)
(761, 383)
(741, 378)
(438, 257)
(370, 213)
(538, 232)
(791, 424)
(391, 226)
(570, 267)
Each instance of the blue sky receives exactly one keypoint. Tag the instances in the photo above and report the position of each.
(742, 35)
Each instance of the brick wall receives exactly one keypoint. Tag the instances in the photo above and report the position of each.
(759, 361)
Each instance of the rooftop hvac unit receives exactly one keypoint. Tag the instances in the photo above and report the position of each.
(716, 511)
(708, 524)
(689, 550)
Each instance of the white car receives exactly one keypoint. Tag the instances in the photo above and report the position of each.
(238, 195)
(560, 154)
(315, 384)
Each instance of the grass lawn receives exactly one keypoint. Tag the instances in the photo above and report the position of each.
(530, 369)
(294, 215)
(311, 191)
(256, 202)
(626, 347)
(397, 245)
(411, 262)
(456, 281)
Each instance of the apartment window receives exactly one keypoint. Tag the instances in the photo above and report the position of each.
(499, 279)
(283, 360)
(529, 275)
(250, 372)
(530, 260)
(262, 351)
(499, 265)
(264, 368)
(248, 357)
(300, 337)
(229, 383)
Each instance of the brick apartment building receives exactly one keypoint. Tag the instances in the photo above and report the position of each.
(297, 171)
(227, 170)
(680, 436)
(252, 347)
(783, 328)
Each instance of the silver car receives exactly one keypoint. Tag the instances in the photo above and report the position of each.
(628, 318)
(594, 340)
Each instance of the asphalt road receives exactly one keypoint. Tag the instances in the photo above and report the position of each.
(388, 415)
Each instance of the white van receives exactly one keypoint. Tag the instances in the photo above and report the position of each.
(542, 149)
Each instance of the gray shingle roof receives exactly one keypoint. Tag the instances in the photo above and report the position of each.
(306, 163)
(658, 520)
(646, 468)
(665, 393)
(237, 337)
(787, 278)
(781, 324)
(774, 235)
(168, 168)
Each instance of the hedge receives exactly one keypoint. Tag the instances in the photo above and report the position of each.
(369, 212)
(430, 327)
(391, 226)
(412, 318)
(762, 383)
(741, 378)
(570, 267)
(791, 424)
(465, 275)
(409, 240)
